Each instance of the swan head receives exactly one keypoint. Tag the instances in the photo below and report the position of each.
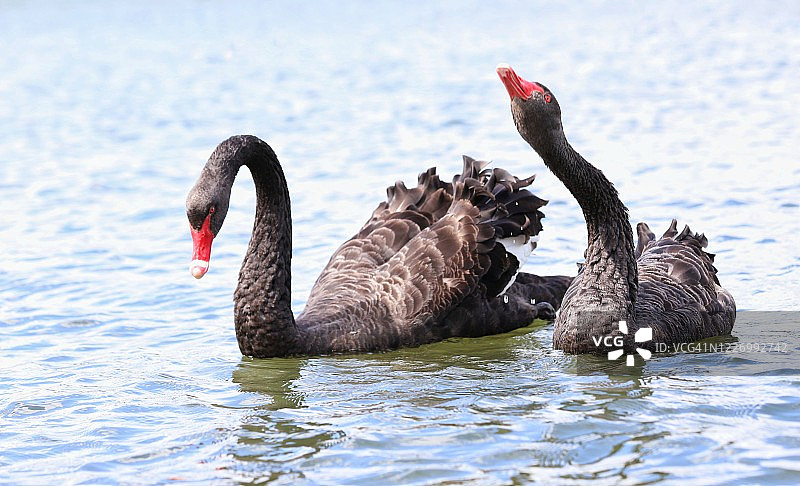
(535, 109)
(206, 208)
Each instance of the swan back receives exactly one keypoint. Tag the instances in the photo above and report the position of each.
(422, 252)
(680, 296)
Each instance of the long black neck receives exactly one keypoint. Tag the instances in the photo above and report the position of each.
(262, 301)
(610, 264)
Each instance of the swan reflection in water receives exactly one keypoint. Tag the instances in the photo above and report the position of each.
(393, 405)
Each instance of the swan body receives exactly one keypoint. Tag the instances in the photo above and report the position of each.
(430, 262)
(668, 284)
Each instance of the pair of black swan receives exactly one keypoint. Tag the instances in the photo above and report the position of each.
(668, 284)
(432, 262)
(442, 259)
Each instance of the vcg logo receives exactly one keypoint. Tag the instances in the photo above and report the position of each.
(642, 335)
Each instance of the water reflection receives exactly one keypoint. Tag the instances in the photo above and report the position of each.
(272, 378)
(462, 392)
(271, 437)
(505, 403)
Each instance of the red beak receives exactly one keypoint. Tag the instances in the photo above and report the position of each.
(516, 86)
(201, 252)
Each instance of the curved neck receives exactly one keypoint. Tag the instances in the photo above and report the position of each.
(262, 301)
(610, 263)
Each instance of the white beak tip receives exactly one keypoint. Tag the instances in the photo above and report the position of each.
(198, 268)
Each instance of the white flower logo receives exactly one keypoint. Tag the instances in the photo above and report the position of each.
(642, 335)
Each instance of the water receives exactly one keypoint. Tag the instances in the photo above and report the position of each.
(117, 366)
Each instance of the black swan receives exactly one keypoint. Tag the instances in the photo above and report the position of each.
(667, 284)
(432, 261)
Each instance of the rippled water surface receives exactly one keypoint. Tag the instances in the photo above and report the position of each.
(117, 366)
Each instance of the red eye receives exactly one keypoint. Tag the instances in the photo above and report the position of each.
(547, 98)
(211, 210)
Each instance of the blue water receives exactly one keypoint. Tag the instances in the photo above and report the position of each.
(117, 366)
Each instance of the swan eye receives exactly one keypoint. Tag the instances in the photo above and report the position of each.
(547, 98)
(212, 210)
